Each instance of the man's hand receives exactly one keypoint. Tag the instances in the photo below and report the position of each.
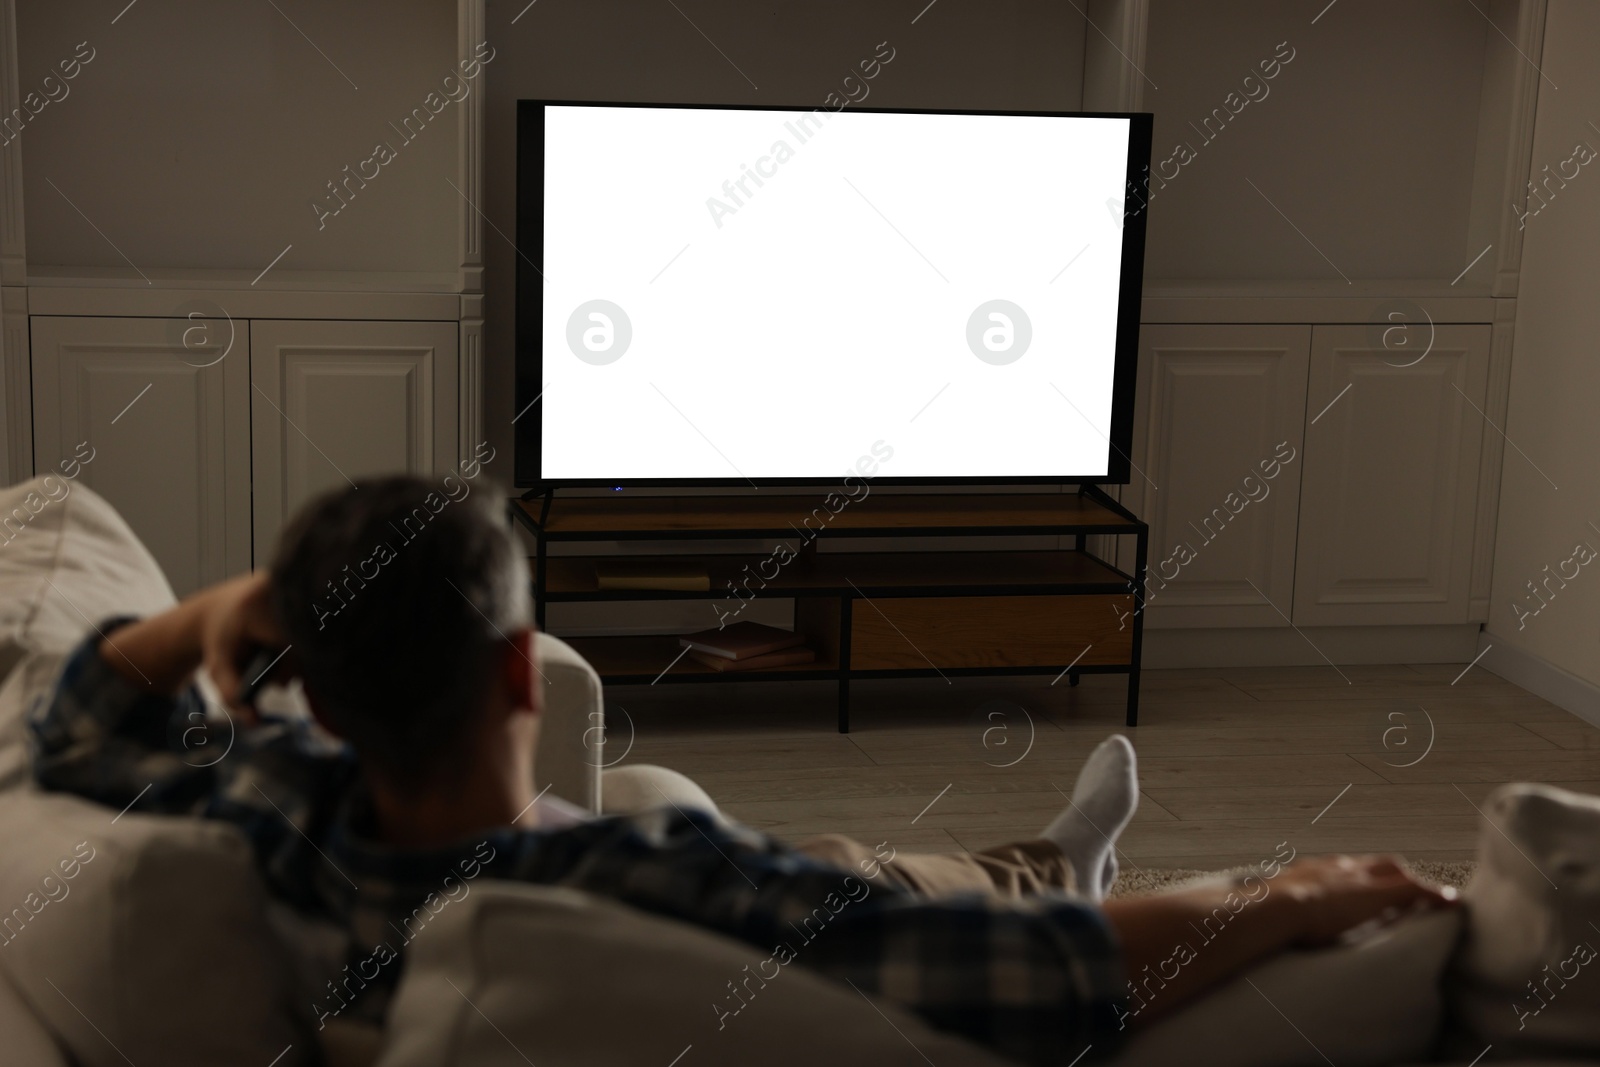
(236, 618)
(219, 626)
(1308, 903)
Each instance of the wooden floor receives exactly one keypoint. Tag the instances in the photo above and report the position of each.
(1232, 761)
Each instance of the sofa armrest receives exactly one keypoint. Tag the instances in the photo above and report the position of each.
(572, 734)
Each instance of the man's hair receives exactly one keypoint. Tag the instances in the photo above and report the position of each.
(397, 596)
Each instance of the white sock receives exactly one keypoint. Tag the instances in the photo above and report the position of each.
(1103, 803)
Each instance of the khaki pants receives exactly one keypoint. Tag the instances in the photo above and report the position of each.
(1007, 872)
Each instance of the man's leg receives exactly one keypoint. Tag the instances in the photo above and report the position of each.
(1007, 872)
(1102, 804)
(1076, 853)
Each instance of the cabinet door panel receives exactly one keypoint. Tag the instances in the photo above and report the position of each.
(1219, 408)
(1391, 478)
(170, 435)
(912, 633)
(334, 401)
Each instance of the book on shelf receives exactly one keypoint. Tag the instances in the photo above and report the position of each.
(787, 657)
(654, 575)
(741, 640)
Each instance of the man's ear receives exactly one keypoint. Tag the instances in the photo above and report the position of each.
(523, 681)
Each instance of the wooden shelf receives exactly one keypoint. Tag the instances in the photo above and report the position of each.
(625, 660)
(611, 518)
(849, 573)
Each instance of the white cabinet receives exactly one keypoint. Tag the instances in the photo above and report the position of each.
(1372, 523)
(168, 420)
(333, 401)
(1218, 424)
(207, 443)
(1391, 478)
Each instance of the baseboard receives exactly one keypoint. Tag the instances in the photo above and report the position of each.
(1308, 646)
(1540, 677)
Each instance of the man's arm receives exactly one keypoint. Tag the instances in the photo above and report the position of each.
(1180, 945)
(157, 655)
(118, 726)
(212, 626)
(1042, 980)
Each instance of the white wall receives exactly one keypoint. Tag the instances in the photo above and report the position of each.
(1555, 385)
(200, 132)
(1017, 54)
(1365, 138)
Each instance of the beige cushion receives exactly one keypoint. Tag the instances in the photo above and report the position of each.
(66, 560)
(639, 787)
(26, 1041)
(73, 562)
(1535, 904)
(144, 937)
(518, 974)
(1491, 1061)
(157, 949)
(1377, 1002)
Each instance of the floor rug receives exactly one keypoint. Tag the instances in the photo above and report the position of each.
(1133, 882)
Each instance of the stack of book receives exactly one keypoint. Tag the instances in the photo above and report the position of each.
(747, 646)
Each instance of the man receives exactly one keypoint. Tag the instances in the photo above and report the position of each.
(407, 618)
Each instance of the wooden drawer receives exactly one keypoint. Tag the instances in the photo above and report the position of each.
(907, 633)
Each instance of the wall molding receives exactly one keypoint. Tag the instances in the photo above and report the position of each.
(16, 389)
(1184, 303)
(1114, 63)
(469, 393)
(16, 386)
(471, 22)
(1529, 36)
(1306, 646)
(13, 257)
(1540, 677)
(244, 303)
(1497, 400)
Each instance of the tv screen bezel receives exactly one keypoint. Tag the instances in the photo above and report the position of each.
(528, 420)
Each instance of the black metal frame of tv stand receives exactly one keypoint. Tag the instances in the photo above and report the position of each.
(533, 511)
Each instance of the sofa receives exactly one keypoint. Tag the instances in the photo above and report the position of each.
(137, 939)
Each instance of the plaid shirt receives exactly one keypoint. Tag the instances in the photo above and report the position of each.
(1037, 980)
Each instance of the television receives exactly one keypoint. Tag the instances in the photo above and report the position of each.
(765, 296)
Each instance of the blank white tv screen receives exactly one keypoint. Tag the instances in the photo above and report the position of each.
(735, 296)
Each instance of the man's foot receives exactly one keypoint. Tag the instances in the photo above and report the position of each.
(1103, 803)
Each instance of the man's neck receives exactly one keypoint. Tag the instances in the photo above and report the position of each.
(450, 812)
(489, 787)
(442, 818)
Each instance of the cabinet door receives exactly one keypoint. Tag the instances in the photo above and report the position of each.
(333, 401)
(1392, 453)
(167, 412)
(1218, 426)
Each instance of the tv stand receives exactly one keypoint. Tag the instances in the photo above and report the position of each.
(867, 614)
